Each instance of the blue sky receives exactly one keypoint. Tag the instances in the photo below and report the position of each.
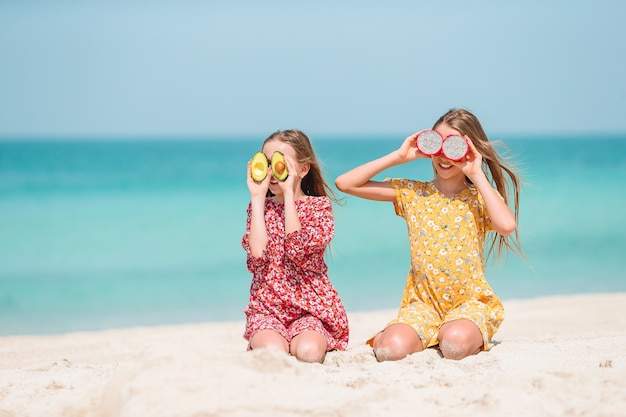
(200, 68)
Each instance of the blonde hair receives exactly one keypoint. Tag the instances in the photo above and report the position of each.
(313, 183)
(496, 168)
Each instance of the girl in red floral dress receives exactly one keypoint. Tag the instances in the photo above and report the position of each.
(293, 306)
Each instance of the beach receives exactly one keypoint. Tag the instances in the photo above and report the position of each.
(553, 356)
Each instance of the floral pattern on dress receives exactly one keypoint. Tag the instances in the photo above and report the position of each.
(446, 279)
(290, 290)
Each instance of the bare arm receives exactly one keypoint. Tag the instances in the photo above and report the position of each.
(258, 233)
(502, 218)
(292, 221)
(358, 181)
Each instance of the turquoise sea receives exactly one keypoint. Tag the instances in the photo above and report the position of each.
(114, 233)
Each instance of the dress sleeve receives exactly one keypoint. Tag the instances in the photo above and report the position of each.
(305, 247)
(253, 263)
(399, 185)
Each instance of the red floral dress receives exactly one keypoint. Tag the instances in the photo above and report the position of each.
(290, 291)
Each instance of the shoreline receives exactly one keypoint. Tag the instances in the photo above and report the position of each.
(555, 355)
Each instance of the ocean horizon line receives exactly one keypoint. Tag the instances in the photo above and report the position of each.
(247, 137)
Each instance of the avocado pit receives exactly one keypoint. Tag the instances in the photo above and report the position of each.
(279, 167)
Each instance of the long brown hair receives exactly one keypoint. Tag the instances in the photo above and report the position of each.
(313, 183)
(496, 167)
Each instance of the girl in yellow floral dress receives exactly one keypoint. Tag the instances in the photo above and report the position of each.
(447, 300)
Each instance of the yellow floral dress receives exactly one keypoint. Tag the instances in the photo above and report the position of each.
(446, 279)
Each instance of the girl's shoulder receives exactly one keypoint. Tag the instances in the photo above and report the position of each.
(314, 207)
(319, 201)
(405, 183)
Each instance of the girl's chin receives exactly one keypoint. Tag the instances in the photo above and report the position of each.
(447, 174)
(275, 189)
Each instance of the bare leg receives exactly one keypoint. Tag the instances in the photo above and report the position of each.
(309, 346)
(396, 342)
(269, 339)
(459, 339)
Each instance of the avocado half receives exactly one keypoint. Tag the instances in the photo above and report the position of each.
(279, 167)
(258, 167)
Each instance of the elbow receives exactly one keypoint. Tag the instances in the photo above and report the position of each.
(340, 183)
(256, 254)
(507, 229)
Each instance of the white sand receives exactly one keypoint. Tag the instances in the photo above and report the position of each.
(559, 356)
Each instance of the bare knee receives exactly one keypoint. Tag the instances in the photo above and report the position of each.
(459, 339)
(454, 349)
(309, 346)
(308, 352)
(269, 339)
(396, 342)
